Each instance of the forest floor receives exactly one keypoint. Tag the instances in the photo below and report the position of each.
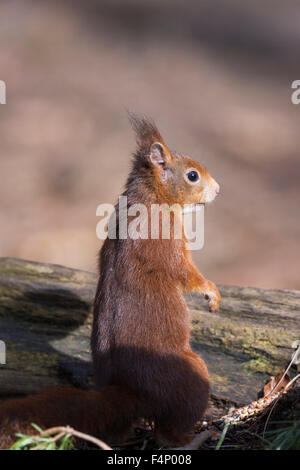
(252, 427)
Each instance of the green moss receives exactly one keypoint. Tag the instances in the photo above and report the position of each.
(260, 364)
(265, 345)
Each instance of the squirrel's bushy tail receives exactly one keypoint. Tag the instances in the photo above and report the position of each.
(107, 414)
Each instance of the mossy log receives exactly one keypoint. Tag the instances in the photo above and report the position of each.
(45, 322)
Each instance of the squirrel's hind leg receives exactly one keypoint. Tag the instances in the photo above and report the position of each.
(183, 400)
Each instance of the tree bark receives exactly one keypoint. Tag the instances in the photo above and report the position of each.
(45, 323)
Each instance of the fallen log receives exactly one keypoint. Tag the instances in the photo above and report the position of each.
(45, 322)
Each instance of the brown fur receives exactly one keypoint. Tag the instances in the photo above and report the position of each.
(96, 413)
(144, 366)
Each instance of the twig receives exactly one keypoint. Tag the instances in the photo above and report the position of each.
(286, 371)
(72, 432)
(292, 381)
(275, 402)
(58, 436)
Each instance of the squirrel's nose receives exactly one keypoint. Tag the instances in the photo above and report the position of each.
(217, 189)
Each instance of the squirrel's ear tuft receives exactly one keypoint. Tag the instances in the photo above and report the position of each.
(159, 155)
(145, 130)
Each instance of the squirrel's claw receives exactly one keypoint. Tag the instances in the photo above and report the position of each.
(213, 298)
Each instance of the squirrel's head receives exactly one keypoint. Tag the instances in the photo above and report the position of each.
(176, 178)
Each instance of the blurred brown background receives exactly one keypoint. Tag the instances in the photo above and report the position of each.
(215, 75)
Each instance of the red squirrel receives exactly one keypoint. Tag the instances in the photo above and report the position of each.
(143, 363)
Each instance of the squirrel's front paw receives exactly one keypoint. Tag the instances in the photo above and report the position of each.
(213, 296)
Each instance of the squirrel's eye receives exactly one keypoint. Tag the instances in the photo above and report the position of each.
(193, 176)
